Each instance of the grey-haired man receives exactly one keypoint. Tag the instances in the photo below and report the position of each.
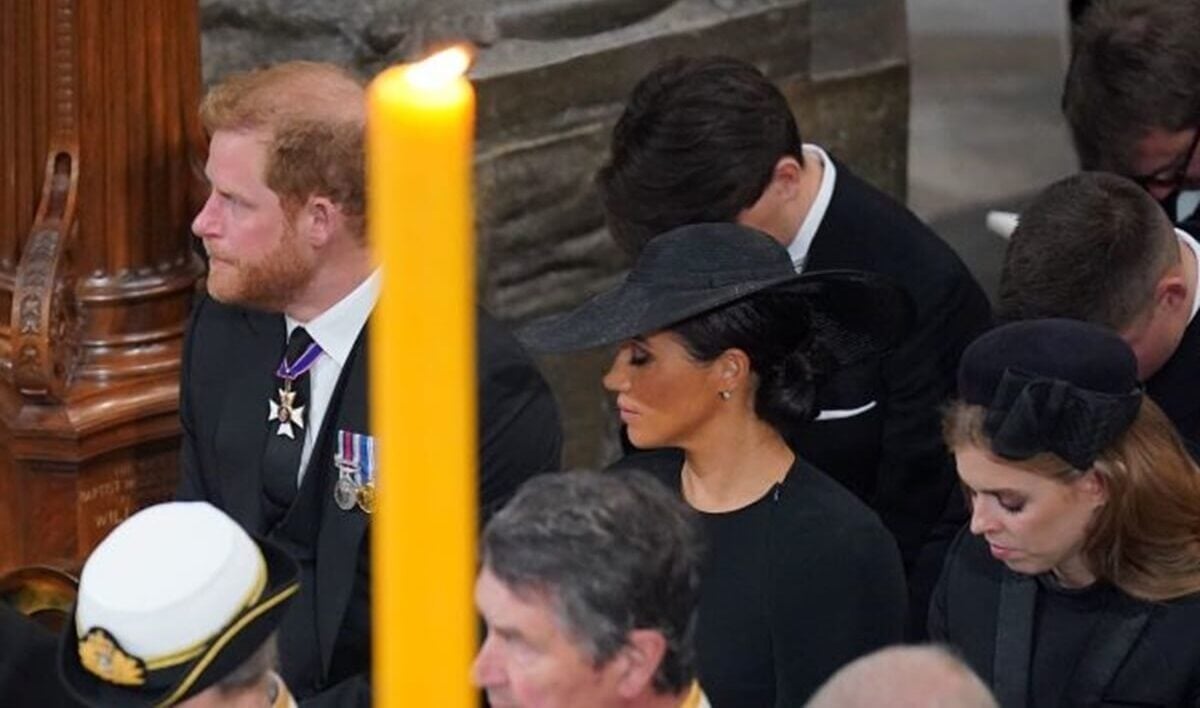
(588, 586)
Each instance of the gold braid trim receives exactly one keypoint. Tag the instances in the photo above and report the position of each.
(102, 656)
(225, 637)
(176, 658)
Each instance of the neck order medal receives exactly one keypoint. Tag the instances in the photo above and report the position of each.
(288, 411)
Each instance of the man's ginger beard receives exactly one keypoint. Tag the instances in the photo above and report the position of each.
(271, 281)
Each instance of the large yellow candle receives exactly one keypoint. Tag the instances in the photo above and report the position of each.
(423, 409)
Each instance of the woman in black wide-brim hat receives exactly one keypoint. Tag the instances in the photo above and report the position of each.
(1078, 580)
(721, 345)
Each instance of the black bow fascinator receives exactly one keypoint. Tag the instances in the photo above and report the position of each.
(1053, 385)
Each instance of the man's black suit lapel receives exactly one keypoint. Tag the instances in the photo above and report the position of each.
(242, 429)
(837, 242)
(341, 534)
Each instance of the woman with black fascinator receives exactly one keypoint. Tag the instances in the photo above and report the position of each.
(721, 346)
(1078, 580)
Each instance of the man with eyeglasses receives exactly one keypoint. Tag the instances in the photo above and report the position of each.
(1176, 185)
(1132, 96)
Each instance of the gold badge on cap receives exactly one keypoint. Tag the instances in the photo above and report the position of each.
(101, 655)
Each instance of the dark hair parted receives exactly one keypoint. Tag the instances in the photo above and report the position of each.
(774, 329)
(1135, 66)
(613, 552)
(698, 142)
(1091, 247)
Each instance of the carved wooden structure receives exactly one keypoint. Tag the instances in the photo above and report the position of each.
(98, 146)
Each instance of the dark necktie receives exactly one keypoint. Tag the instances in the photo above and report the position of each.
(286, 426)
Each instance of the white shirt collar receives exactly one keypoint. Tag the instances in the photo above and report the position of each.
(800, 245)
(1191, 243)
(1186, 204)
(336, 329)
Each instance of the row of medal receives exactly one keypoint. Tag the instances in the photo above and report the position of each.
(355, 460)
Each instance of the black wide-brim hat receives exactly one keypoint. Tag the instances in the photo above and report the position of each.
(225, 652)
(694, 269)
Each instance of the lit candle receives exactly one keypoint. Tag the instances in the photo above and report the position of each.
(419, 147)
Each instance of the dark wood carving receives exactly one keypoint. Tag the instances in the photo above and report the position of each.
(98, 136)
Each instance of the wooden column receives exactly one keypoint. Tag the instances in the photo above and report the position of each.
(99, 152)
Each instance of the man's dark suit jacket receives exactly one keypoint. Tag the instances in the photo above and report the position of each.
(228, 376)
(1176, 386)
(892, 455)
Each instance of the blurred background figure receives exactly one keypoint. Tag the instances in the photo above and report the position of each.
(905, 677)
(1132, 96)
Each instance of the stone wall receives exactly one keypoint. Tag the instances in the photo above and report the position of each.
(552, 76)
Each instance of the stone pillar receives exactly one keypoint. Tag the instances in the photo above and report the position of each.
(553, 76)
(98, 142)
(855, 99)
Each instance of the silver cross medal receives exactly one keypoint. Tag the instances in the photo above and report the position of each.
(286, 412)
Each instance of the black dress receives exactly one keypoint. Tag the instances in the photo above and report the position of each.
(794, 585)
(1039, 644)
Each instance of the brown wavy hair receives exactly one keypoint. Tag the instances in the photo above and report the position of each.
(313, 115)
(1146, 538)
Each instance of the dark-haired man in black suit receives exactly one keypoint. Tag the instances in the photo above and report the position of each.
(275, 380)
(1097, 247)
(713, 140)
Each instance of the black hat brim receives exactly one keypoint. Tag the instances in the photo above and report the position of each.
(235, 644)
(856, 315)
